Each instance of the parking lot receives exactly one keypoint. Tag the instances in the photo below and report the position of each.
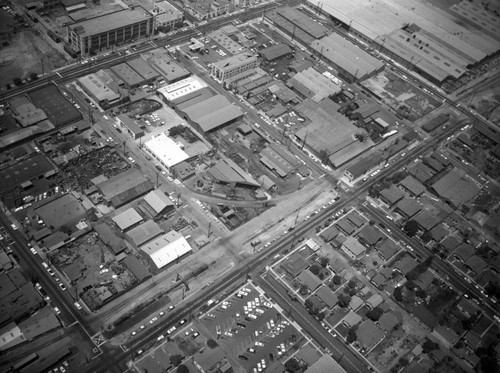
(249, 328)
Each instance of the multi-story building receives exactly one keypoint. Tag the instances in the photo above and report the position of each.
(205, 9)
(166, 15)
(231, 66)
(109, 30)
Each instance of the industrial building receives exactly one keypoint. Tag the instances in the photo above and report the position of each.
(198, 104)
(440, 45)
(162, 62)
(106, 31)
(314, 85)
(206, 9)
(275, 52)
(130, 126)
(166, 15)
(165, 150)
(279, 159)
(231, 66)
(226, 172)
(296, 24)
(166, 248)
(351, 62)
(124, 187)
(102, 89)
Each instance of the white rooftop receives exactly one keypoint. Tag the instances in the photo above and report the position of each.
(167, 248)
(166, 150)
(182, 87)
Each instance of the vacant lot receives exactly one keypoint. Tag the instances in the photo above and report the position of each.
(28, 52)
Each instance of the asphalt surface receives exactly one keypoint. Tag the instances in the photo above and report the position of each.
(113, 359)
(349, 360)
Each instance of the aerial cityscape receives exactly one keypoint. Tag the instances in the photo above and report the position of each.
(246, 186)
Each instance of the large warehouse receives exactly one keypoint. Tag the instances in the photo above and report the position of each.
(198, 104)
(167, 248)
(351, 62)
(439, 42)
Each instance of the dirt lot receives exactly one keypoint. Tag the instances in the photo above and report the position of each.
(26, 52)
(397, 92)
(487, 104)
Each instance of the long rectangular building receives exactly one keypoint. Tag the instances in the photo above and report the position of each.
(112, 29)
(352, 63)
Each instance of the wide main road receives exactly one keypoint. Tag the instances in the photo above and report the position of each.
(349, 360)
(117, 56)
(117, 357)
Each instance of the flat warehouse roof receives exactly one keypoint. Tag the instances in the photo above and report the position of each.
(235, 61)
(346, 55)
(143, 68)
(127, 74)
(166, 150)
(98, 87)
(111, 21)
(127, 218)
(182, 87)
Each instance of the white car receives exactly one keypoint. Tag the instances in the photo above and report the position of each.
(14, 227)
(38, 286)
(77, 305)
(33, 251)
(62, 286)
(160, 337)
(57, 310)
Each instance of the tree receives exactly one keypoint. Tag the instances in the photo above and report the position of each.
(351, 335)
(293, 365)
(303, 290)
(411, 228)
(344, 300)
(315, 269)
(211, 343)
(176, 359)
(33, 76)
(426, 236)
(337, 280)
(182, 369)
(324, 261)
(420, 293)
(429, 346)
(398, 294)
(176, 130)
(17, 81)
(308, 304)
(351, 284)
(374, 314)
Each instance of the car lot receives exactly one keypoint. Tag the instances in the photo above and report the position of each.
(249, 328)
